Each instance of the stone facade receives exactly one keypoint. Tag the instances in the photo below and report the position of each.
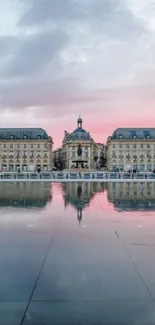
(131, 149)
(25, 150)
(72, 142)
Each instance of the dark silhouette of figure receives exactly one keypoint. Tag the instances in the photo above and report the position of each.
(79, 150)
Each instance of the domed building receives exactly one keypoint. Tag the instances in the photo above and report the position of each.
(78, 149)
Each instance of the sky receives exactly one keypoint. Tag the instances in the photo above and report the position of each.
(62, 58)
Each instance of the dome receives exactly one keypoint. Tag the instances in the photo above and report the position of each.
(79, 133)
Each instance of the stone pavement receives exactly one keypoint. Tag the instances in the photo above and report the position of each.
(59, 273)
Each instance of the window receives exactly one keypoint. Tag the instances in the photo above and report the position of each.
(25, 146)
(86, 154)
(31, 146)
(86, 148)
(120, 136)
(147, 134)
(127, 146)
(149, 167)
(31, 153)
(114, 146)
(135, 146)
(148, 145)
(25, 136)
(133, 134)
(121, 146)
(11, 136)
(142, 167)
(38, 146)
(11, 146)
(38, 136)
(18, 145)
(4, 146)
(141, 146)
(73, 148)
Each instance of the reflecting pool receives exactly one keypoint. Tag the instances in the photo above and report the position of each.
(77, 253)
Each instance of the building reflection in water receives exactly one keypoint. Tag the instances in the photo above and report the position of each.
(25, 195)
(132, 195)
(79, 195)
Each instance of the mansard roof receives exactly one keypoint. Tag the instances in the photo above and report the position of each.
(23, 133)
(137, 133)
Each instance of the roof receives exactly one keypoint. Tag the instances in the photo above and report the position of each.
(78, 134)
(134, 133)
(21, 133)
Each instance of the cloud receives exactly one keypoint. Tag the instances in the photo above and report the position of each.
(106, 17)
(35, 52)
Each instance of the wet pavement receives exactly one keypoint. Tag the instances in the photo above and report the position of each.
(77, 254)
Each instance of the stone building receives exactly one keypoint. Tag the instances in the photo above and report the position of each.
(100, 154)
(131, 149)
(78, 149)
(57, 159)
(25, 149)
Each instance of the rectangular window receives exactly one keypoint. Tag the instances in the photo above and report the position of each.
(4, 146)
(121, 146)
(148, 145)
(31, 146)
(142, 167)
(114, 146)
(149, 167)
(25, 146)
(18, 146)
(147, 134)
(38, 146)
(135, 146)
(127, 146)
(18, 154)
(31, 153)
(141, 146)
(133, 134)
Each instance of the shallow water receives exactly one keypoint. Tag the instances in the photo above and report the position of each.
(77, 253)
